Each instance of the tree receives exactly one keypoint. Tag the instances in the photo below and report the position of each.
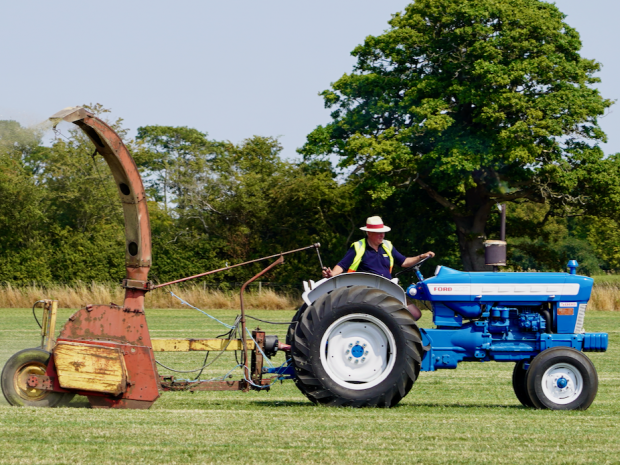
(172, 156)
(475, 102)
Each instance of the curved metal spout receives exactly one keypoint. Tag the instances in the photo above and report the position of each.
(131, 192)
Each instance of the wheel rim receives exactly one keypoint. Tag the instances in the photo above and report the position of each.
(562, 383)
(20, 381)
(358, 351)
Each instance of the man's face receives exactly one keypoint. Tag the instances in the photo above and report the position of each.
(375, 238)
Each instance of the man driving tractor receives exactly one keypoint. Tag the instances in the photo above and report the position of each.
(376, 255)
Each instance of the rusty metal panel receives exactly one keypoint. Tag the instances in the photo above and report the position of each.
(90, 367)
(142, 382)
(191, 345)
(125, 325)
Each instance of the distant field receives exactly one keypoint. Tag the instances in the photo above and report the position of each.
(468, 415)
(607, 279)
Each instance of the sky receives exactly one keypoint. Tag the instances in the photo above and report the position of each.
(233, 69)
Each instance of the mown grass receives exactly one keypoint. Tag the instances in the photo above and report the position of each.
(468, 415)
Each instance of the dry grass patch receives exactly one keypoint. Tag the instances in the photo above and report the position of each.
(605, 296)
(81, 294)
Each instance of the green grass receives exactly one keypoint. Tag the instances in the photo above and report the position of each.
(468, 415)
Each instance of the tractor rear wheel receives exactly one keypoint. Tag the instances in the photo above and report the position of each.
(562, 378)
(290, 340)
(356, 346)
(14, 381)
(519, 383)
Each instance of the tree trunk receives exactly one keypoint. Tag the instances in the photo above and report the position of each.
(470, 231)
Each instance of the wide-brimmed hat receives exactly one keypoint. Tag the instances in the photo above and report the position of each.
(375, 224)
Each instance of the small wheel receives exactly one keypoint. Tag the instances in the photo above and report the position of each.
(519, 384)
(358, 347)
(562, 378)
(14, 381)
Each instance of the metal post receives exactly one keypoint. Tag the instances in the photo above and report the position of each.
(48, 325)
(246, 368)
(502, 234)
(46, 310)
(52, 326)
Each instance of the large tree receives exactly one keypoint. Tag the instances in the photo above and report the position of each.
(476, 102)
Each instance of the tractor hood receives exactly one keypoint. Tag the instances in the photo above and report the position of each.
(487, 287)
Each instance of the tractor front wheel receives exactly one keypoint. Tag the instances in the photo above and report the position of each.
(519, 383)
(358, 347)
(562, 378)
(14, 381)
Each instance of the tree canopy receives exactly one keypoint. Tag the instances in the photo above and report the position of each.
(475, 102)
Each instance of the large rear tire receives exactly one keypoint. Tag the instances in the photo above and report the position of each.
(290, 340)
(562, 378)
(358, 347)
(14, 381)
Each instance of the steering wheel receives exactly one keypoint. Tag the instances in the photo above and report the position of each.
(415, 267)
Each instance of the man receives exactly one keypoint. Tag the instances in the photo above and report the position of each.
(375, 255)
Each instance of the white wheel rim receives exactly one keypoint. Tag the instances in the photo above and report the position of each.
(358, 351)
(562, 383)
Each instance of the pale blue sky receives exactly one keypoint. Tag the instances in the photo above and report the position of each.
(230, 68)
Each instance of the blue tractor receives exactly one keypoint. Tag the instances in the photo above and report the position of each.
(354, 343)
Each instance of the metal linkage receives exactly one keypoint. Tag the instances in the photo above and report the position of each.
(252, 366)
(313, 246)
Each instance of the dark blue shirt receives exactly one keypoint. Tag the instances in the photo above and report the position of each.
(373, 262)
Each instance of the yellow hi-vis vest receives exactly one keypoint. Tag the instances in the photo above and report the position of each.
(360, 248)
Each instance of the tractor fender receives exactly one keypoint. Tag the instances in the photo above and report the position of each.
(314, 290)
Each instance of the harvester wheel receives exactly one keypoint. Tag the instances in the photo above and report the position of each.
(519, 383)
(562, 378)
(14, 381)
(356, 346)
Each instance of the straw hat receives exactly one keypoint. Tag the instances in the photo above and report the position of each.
(375, 224)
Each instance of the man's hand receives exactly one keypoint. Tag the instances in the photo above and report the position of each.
(329, 273)
(411, 261)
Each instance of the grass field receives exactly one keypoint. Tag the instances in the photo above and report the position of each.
(468, 415)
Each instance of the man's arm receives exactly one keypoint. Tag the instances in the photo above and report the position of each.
(410, 261)
(329, 273)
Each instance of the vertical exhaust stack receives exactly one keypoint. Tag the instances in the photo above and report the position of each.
(495, 251)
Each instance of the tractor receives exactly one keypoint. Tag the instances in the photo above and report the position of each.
(353, 342)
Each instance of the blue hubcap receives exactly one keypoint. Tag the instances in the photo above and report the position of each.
(357, 351)
(562, 382)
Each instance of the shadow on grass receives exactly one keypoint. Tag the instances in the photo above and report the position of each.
(463, 406)
(282, 403)
(265, 403)
(79, 402)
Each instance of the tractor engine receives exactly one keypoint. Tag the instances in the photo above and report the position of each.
(504, 316)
